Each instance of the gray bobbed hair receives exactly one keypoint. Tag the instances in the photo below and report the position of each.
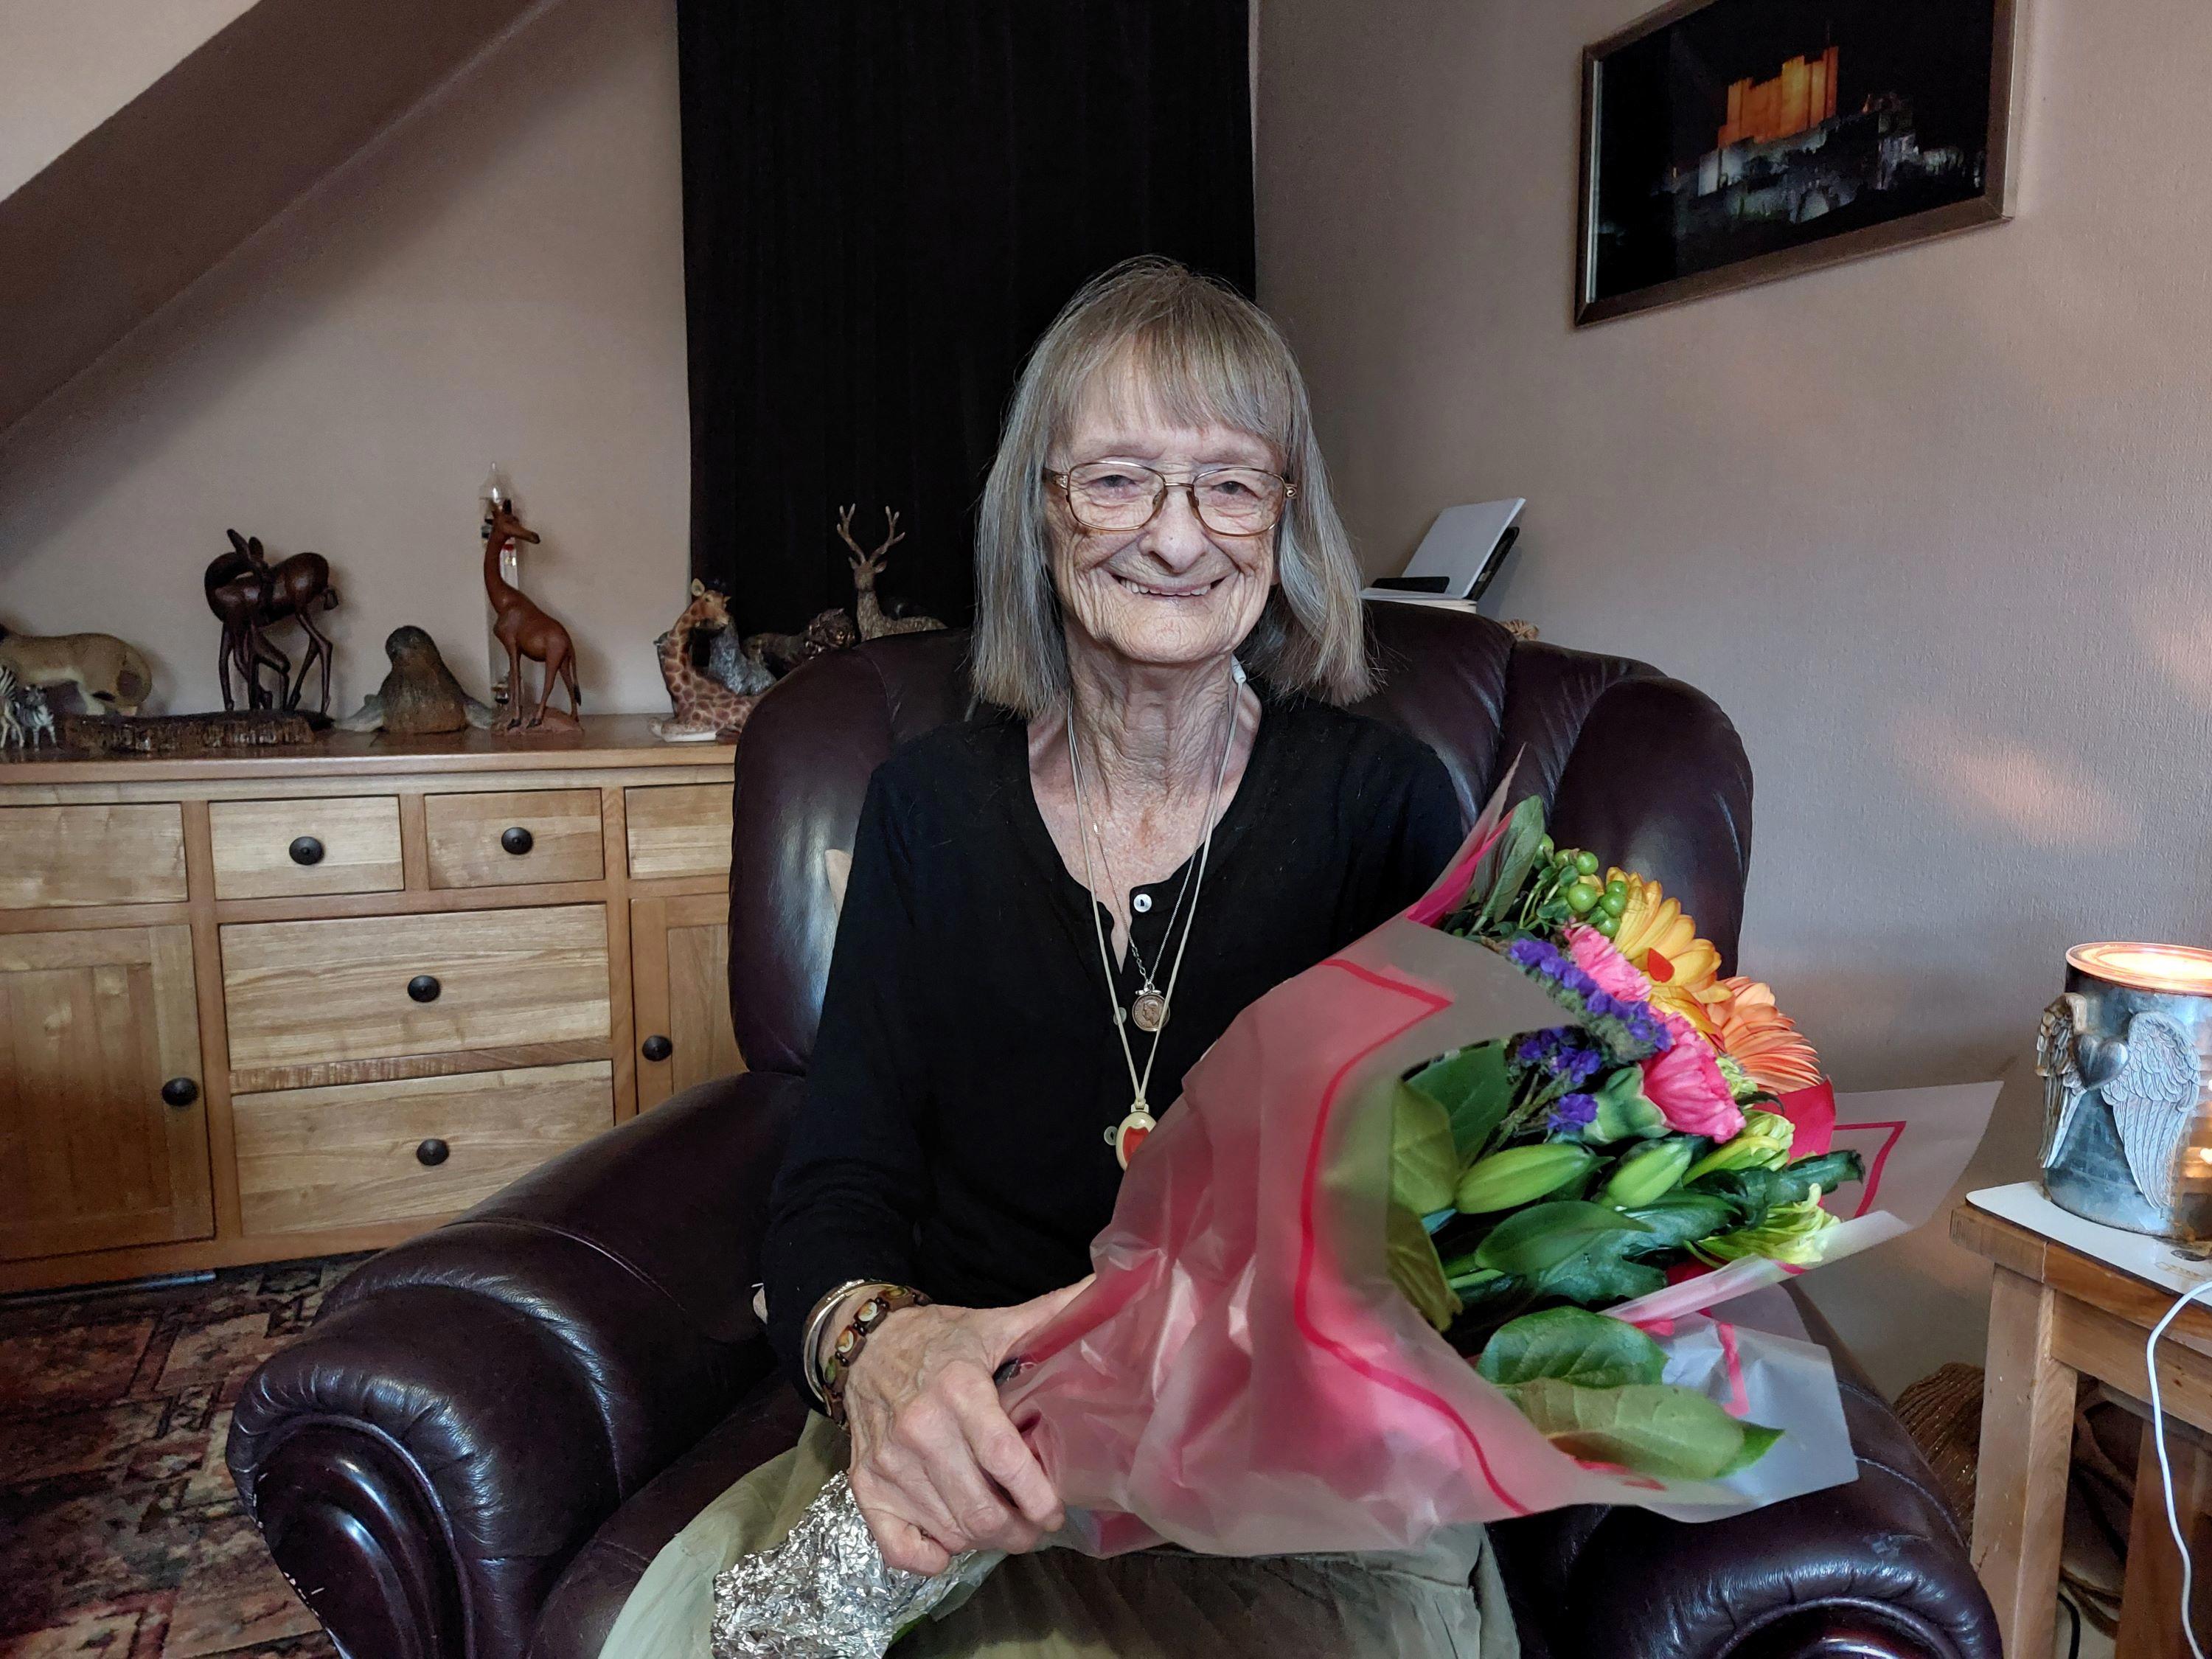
(1197, 353)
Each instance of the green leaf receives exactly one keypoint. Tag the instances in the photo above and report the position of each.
(1541, 1236)
(1757, 1438)
(1586, 1349)
(1415, 1270)
(1680, 1218)
(1651, 1428)
(1475, 1088)
(1603, 1276)
(1755, 1192)
(1423, 1162)
(1794, 1181)
(1516, 857)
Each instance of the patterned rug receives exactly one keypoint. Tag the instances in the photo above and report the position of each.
(120, 1534)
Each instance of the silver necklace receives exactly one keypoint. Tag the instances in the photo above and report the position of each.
(1129, 1133)
(1148, 1009)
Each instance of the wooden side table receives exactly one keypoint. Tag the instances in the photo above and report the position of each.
(2056, 1317)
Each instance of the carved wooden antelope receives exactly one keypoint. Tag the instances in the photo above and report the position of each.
(250, 596)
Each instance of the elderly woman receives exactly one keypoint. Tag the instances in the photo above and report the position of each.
(1158, 813)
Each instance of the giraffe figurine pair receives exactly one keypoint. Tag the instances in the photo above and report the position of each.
(715, 679)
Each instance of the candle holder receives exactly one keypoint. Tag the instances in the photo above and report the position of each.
(2128, 1115)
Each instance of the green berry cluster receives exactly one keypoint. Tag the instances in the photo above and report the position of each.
(1570, 872)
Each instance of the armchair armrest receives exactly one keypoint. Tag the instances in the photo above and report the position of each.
(471, 1405)
(1879, 1569)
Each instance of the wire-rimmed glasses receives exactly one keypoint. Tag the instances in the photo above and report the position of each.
(1123, 495)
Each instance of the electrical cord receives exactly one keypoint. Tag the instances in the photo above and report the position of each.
(2164, 1466)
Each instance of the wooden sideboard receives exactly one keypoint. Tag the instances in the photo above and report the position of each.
(282, 1004)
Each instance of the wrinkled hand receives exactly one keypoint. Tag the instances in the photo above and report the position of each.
(938, 1467)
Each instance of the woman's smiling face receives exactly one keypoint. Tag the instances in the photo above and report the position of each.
(1174, 592)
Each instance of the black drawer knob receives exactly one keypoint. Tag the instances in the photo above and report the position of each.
(424, 987)
(518, 841)
(658, 1047)
(307, 850)
(179, 1092)
(433, 1152)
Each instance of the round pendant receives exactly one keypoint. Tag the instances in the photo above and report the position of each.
(1129, 1133)
(1149, 1011)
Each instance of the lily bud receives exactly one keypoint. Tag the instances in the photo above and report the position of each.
(1522, 1175)
(1623, 1110)
(1648, 1173)
(1763, 1143)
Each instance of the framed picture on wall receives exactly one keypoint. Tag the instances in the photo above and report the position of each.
(1731, 142)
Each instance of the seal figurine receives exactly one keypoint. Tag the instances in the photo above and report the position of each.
(420, 697)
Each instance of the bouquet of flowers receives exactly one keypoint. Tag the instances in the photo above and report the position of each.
(1433, 1235)
(1538, 1179)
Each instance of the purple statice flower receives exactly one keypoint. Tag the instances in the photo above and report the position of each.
(1566, 1053)
(1572, 1113)
(1533, 953)
(1623, 1026)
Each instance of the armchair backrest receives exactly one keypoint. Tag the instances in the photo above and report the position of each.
(1643, 770)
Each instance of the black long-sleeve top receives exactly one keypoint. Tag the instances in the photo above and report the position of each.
(966, 1069)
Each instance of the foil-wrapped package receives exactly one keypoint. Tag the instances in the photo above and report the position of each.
(825, 1593)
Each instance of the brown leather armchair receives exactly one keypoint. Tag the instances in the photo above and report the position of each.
(491, 1428)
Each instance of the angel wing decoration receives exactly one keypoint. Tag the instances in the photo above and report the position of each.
(2062, 1075)
(2153, 1095)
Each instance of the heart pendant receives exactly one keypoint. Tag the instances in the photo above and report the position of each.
(1129, 1133)
(1149, 1011)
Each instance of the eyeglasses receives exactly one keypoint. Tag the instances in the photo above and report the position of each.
(1230, 501)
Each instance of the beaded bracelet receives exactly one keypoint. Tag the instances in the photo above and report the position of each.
(846, 1350)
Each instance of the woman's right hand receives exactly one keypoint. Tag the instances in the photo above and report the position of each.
(938, 1467)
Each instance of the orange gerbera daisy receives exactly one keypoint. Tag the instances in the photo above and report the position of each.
(1763, 1039)
(1656, 936)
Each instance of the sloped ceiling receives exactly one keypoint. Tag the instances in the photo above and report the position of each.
(202, 155)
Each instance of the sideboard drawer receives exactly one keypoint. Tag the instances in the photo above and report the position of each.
(92, 854)
(678, 830)
(361, 1153)
(386, 987)
(284, 849)
(513, 837)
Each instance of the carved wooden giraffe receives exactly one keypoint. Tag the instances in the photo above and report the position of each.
(866, 567)
(526, 631)
(703, 707)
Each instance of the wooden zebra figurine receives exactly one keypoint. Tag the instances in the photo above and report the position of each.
(24, 716)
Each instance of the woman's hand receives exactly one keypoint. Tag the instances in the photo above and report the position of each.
(938, 1467)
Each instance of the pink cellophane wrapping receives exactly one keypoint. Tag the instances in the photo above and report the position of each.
(1243, 1377)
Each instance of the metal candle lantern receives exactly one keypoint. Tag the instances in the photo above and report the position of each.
(2127, 1127)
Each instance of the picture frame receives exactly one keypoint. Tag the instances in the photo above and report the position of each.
(1837, 130)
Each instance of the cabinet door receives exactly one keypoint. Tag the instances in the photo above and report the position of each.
(679, 963)
(93, 1026)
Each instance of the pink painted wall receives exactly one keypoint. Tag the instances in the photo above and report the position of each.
(1931, 527)
(498, 277)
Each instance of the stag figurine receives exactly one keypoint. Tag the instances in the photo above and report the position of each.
(526, 631)
(875, 622)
